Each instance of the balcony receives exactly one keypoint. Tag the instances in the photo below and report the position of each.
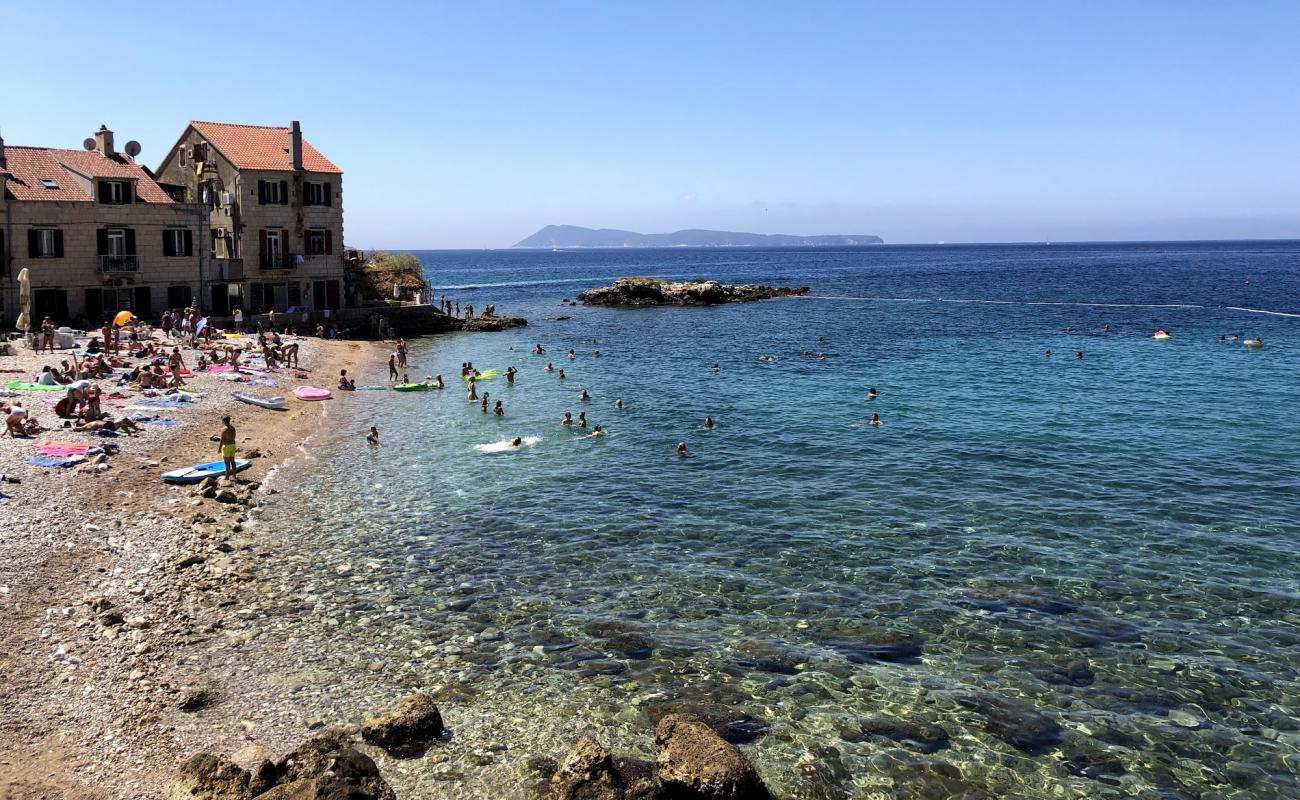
(129, 263)
(285, 261)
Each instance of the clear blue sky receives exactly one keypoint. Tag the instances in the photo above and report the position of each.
(473, 124)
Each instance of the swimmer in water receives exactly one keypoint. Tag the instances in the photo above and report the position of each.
(1223, 339)
(821, 356)
(373, 436)
(518, 441)
(708, 423)
(1079, 354)
(537, 351)
(596, 353)
(597, 431)
(821, 339)
(473, 395)
(717, 368)
(618, 405)
(875, 419)
(572, 355)
(568, 420)
(437, 382)
(550, 367)
(510, 375)
(582, 419)
(681, 450)
(764, 357)
(561, 373)
(871, 393)
(499, 410)
(584, 395)
(1256, 342)
(1048, 352)
(483, 405)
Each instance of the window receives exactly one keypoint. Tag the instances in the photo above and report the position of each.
(315, 243)
(317, 194)
(116, 248)
(116, 242)
(178, 242)
(179, 296)
(49, 183)
(272, 246)
(115, 192)
(272, 193)
(45, 243)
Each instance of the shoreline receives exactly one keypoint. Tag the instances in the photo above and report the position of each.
(113, 577)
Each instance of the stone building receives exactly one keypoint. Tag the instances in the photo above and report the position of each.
(274, 216)
(96, 233)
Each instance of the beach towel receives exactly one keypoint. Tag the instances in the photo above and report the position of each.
(218, 368)
(56, 461)
(51, 447)
(150, 405)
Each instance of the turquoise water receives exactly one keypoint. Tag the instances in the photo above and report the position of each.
(1080, 573)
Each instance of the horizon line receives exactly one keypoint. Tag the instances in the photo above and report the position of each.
(1026, 242)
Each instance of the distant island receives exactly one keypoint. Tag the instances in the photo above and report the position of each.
(566, 236)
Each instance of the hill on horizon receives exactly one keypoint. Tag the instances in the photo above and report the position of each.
(563, 236)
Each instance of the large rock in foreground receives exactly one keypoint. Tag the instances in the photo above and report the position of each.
(694, 762)
(588, 772)
(655, 292)
(326, 767)
(415, 722)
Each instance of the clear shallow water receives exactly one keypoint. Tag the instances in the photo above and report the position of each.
(1082, 571)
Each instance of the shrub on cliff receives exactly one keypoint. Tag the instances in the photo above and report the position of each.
(392, 276)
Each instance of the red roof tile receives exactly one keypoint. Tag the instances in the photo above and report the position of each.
(30, 165)
(260, 147)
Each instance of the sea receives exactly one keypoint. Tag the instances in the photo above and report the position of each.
(1063, 565)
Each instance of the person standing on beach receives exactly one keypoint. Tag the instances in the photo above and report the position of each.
(392, 367)
(239, 319)
(226, 446)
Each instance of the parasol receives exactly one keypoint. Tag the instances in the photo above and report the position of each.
(122, 318)
(24, 300)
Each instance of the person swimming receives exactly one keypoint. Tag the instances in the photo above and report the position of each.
(1078, 354)
(871, 393)
(681, 450)
(1256, 342)
(708, 423)
(373, 436)
(561, 373)
(597, 431)
(437, 382)
(582, 419)
(717, 367)
(618, 405)
(499, 409)
(510, 375)
(764, 357)
(484, 403)
(875, 419)
(572, 355)
(584, 396)
(518, 441)
(821, 356)
(1048, 352)
(472, 395)
(537, 351)
(568, 419)
(550, 367)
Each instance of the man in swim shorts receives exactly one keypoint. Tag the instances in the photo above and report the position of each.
(226, 446)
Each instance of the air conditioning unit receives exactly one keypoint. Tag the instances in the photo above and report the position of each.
(227, 199)
(119, 282)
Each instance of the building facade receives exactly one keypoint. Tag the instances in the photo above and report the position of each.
(274, 216)
(96, 233)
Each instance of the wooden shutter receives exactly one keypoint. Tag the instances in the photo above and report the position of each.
(168, 250)
(143, 302)
(33, 243)
(328, 192)
(188, 237)
(58, 243)
(284, 193)
(261, 193)
(128, 192)
(101, 241)
(130, 241)
(95, 304)
(104, 195)
(329, 243)
(261, 247)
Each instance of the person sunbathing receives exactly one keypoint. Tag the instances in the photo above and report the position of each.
(123, 425)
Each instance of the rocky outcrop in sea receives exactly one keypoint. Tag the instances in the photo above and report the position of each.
(655, 292)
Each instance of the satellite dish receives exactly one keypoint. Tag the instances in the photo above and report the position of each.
(132, 148)
(89, 144)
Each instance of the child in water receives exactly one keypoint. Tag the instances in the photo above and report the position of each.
(372, 438)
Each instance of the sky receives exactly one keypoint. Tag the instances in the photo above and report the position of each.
(470, 125)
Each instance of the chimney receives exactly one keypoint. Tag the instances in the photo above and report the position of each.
(104, 141)
(295, 146)
(4, 163)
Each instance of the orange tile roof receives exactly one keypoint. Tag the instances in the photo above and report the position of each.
(30, 165)
(260, 147)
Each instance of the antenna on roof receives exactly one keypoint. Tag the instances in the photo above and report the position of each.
(132, 148)
(89, 144)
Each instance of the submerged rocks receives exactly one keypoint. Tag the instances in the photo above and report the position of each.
(862, 645)
(416, 721)
(655, 292)
(588, 772)
(920, 736)
(732, 724)
(694, 762)
(1016, 724)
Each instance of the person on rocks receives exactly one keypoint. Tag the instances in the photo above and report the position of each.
(226, 446)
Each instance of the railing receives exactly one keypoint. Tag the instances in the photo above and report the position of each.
(285, 261)
(129, 263)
